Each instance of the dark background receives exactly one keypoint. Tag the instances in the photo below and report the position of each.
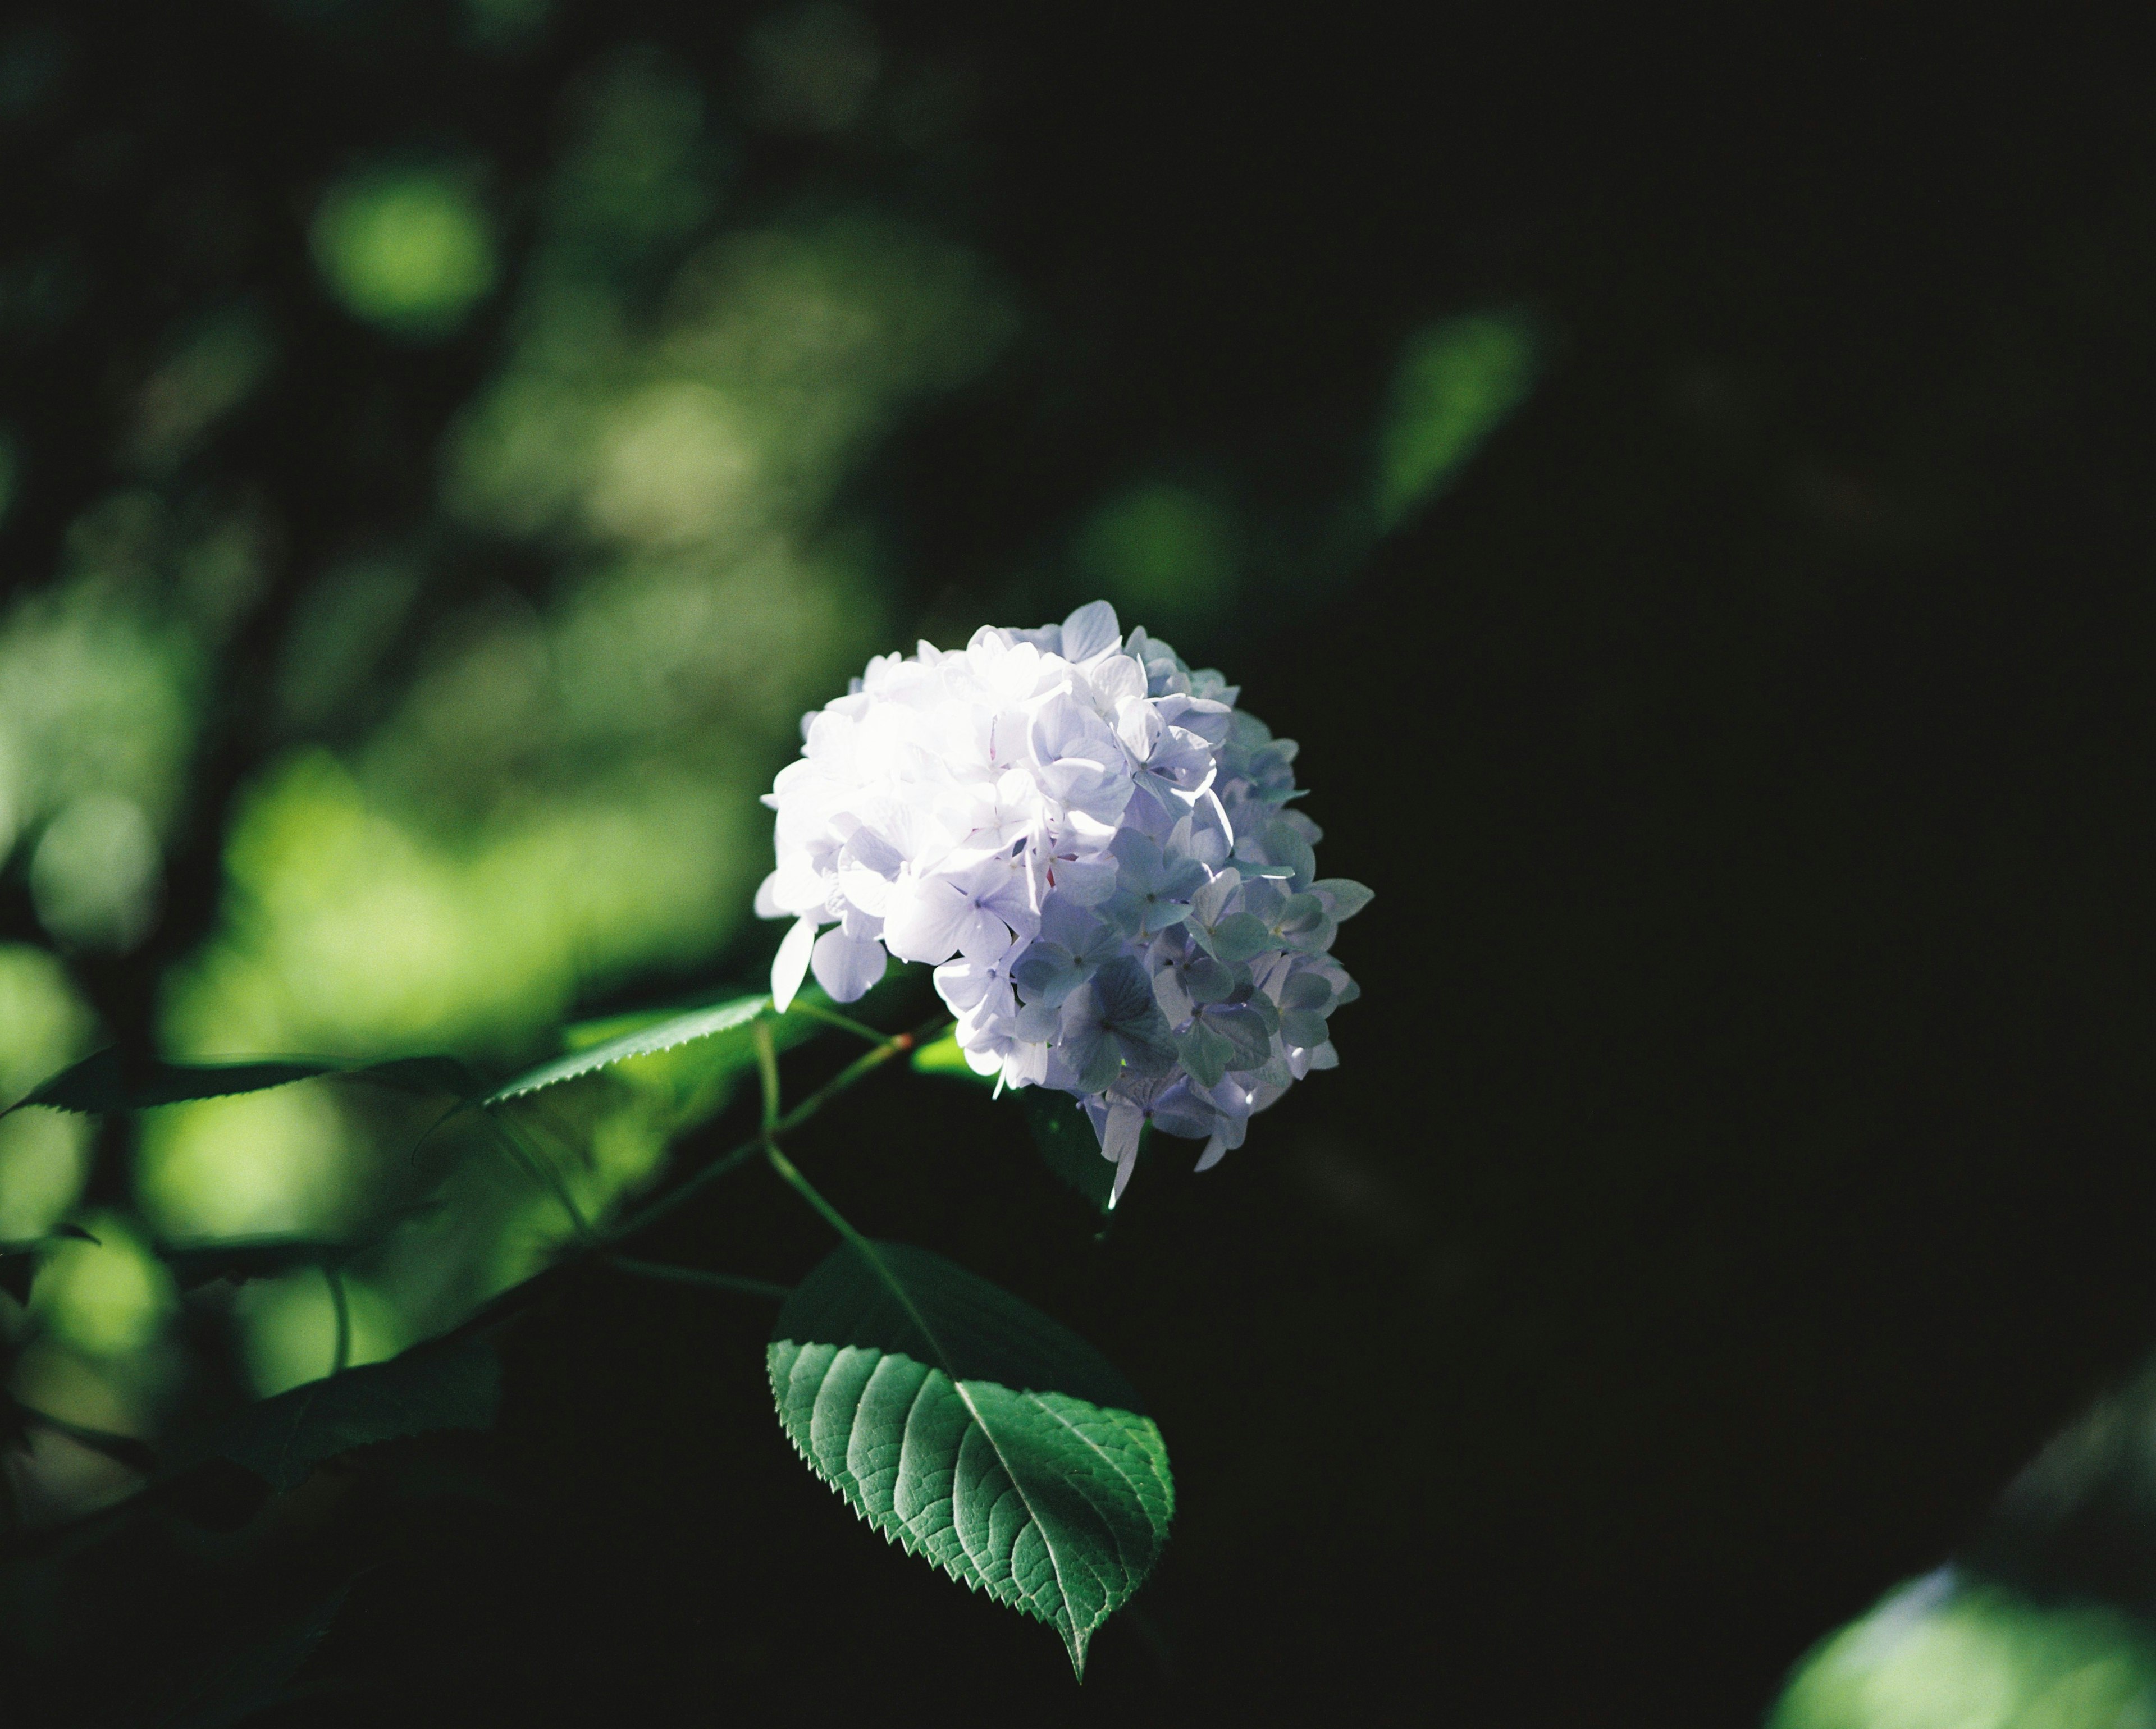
(1740, 1162)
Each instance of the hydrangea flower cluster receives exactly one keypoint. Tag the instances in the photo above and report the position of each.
(1092, 845)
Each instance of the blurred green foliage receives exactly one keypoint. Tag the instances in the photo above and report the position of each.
(1941, 1654)
(1162, 553)
(480, 804)
(1456, 382)
(410, 249)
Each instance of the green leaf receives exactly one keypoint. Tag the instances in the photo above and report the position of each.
(430, 1387)
(946, 1056)
(970, 1429)
(107, 1081)
(239, 1259)
(732, 1017)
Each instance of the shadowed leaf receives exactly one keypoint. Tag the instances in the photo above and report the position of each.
(17, 1419)
(197, 1263)
(282, 1440)
(108, 1081)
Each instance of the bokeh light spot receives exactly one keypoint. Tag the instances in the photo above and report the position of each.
(95, 875)
(287, 1329)
(1455, 384)
(260, 1164)
(1163, 553)
(1942, 1654)
(410, 250)
(107, 1298)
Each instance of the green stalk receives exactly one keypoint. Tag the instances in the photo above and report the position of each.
(738, 1283)
(341, 1303)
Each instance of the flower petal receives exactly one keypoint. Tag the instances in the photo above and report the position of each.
(845, 967)
(791, 963)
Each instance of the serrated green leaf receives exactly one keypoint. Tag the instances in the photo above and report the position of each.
(106, 1081)
(733, 1016)
(970, 1429)
(428, 1388)
(946, 1056)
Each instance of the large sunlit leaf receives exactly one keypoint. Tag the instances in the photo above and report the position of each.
(968, 1428)
(430, 1387)
(108, 1081)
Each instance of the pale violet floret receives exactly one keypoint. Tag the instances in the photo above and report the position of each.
(1092, 847)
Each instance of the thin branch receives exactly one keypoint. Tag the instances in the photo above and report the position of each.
(739, 1283)
(859, 1070)
(844, 1024)
(527, 1158)
(766, 1073)
(807, 1191)
(342, 1304)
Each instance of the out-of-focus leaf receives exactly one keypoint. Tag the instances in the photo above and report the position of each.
(1946, 1651)
(946, 1056)
(430, 1387)
(420, 1074)
(17, 1419)
(197, 1263)
(107, 1081)
(969, 1428)
(1456, 383)
(240, 1259)
(19, 1261)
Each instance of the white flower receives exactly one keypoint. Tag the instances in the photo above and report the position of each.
(1092, 847)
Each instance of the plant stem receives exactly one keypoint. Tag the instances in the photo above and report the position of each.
(844, 1024)
(527, 1158)
(807, 1190)
(897, 1045)
(767, 1074)
(341, 1304)
(737, 1282)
